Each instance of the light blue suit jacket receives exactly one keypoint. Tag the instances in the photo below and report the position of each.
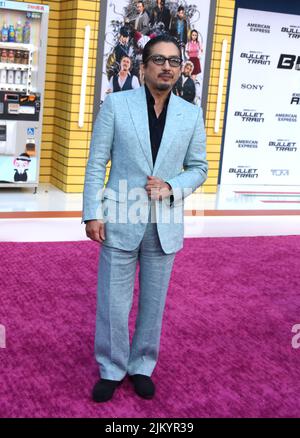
(121, 133)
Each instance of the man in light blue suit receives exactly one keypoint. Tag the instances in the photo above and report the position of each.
(156, 143)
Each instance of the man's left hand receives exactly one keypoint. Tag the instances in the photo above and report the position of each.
(157, 189)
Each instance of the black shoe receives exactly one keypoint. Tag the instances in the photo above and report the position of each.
(143, 385)
(104, 390)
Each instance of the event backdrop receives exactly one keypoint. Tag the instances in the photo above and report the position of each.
(123, 13)
(261, 143)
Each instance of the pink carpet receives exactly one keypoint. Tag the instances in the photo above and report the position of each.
(226, 348)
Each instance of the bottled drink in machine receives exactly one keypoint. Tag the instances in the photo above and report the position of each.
(19, 32)
(26, 32)
(4, 33)
(11, 34)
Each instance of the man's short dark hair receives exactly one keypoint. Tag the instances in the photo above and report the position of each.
(180, 8)
(159, 39)
(141, 1)
(124, 31)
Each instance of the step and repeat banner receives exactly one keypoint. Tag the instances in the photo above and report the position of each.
(261, 139)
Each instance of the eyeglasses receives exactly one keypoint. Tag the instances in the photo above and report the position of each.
(174, 61)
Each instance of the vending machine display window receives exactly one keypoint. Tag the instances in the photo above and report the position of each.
(23, 47)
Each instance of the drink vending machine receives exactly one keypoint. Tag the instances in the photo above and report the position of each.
(23, 47)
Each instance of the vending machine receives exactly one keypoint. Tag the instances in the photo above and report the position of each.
(23, 47)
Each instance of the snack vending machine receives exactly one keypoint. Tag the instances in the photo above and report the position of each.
(23, 47)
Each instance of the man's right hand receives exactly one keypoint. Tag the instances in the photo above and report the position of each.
(95, 230)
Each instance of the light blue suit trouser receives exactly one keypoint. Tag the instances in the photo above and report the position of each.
(116, 277)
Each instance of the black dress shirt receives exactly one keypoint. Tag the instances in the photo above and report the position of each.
(156, 124)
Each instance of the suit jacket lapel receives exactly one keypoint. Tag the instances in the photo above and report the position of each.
(173, 121)
(139, 116)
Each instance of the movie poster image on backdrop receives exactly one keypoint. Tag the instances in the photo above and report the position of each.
(130, 24)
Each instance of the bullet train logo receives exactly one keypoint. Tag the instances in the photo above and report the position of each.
(289, 62)
(283, 145)
(251, 116)
(257, 58)
(293, 32)
(244, 172)
(295, 99)
(280, 172)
